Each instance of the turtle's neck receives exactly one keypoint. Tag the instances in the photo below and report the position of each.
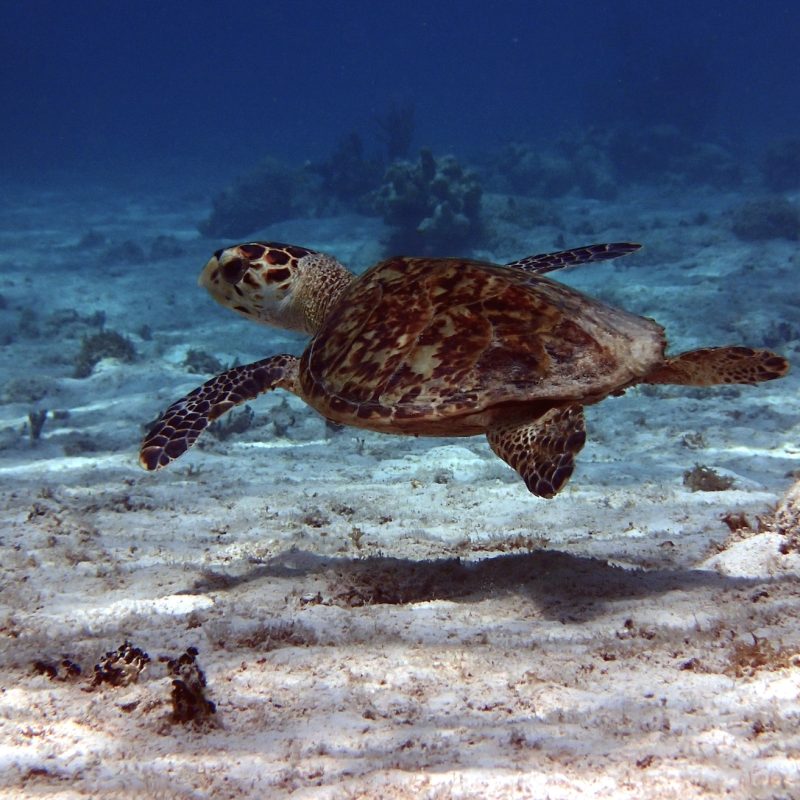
(321, 290)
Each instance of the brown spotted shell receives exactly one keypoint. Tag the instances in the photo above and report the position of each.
(448, 346)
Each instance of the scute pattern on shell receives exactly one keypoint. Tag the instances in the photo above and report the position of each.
(439, 338)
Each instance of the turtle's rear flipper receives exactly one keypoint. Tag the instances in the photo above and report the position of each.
(542, 451)
(549, 262)
(710, 366)
(177, 429)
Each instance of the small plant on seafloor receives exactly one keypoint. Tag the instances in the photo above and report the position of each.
(785, 520)
(36, 420)
(781, 165)
(201, 362)
(106, 344)
(233, 424)
(189, 701)
(749, 657)
(62, 669)
(706, 479)
(771, 217)
(122, 667)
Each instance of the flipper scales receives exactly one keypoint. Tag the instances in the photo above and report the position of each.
(177, 429)
(542, 451)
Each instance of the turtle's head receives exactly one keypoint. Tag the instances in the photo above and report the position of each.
(277, 284)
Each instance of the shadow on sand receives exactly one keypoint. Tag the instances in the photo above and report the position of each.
(566, 587)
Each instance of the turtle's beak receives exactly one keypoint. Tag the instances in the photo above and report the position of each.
(220, 275)
(209, 273)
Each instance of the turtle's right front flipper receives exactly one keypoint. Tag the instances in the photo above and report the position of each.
(177, 429)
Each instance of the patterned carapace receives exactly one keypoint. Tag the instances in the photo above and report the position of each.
(417, 342)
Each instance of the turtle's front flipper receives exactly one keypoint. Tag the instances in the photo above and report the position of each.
(548, 262)
(710, 366)
(177, 429)
(542, 451)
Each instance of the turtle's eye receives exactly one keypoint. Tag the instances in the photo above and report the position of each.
(233, 271)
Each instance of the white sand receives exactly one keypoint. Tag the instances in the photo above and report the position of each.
(388, 617)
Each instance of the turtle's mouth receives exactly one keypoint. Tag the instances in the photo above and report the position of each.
(209, 275)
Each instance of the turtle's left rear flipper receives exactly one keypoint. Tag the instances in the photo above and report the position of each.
(177, 429)
(549, 262)
(542, 451)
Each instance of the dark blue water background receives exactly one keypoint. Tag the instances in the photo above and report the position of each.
(203, 89)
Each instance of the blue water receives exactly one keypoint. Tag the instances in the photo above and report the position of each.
(208, 87)
(133, 141)
(572, 123)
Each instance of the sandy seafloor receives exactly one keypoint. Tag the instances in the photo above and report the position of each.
(384, 616)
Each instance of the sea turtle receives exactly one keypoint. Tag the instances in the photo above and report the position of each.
(443, 347)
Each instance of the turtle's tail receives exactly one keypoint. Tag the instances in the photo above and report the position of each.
(710, 366)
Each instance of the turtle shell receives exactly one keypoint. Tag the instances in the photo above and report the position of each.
(420, 345)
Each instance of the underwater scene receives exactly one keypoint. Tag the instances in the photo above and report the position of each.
(492, 487)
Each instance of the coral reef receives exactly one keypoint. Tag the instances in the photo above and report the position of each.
(269, 193)
(123, 666)
(664, 152)
(771, 217)
(535, 172)
(433, 206)
(63, 323)
(106, 344)
(282, 418)
(780, 167)
(78, 444)
(596, 161)
(348, 174)
(527, 212)
(548, 173)
(396, 130)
